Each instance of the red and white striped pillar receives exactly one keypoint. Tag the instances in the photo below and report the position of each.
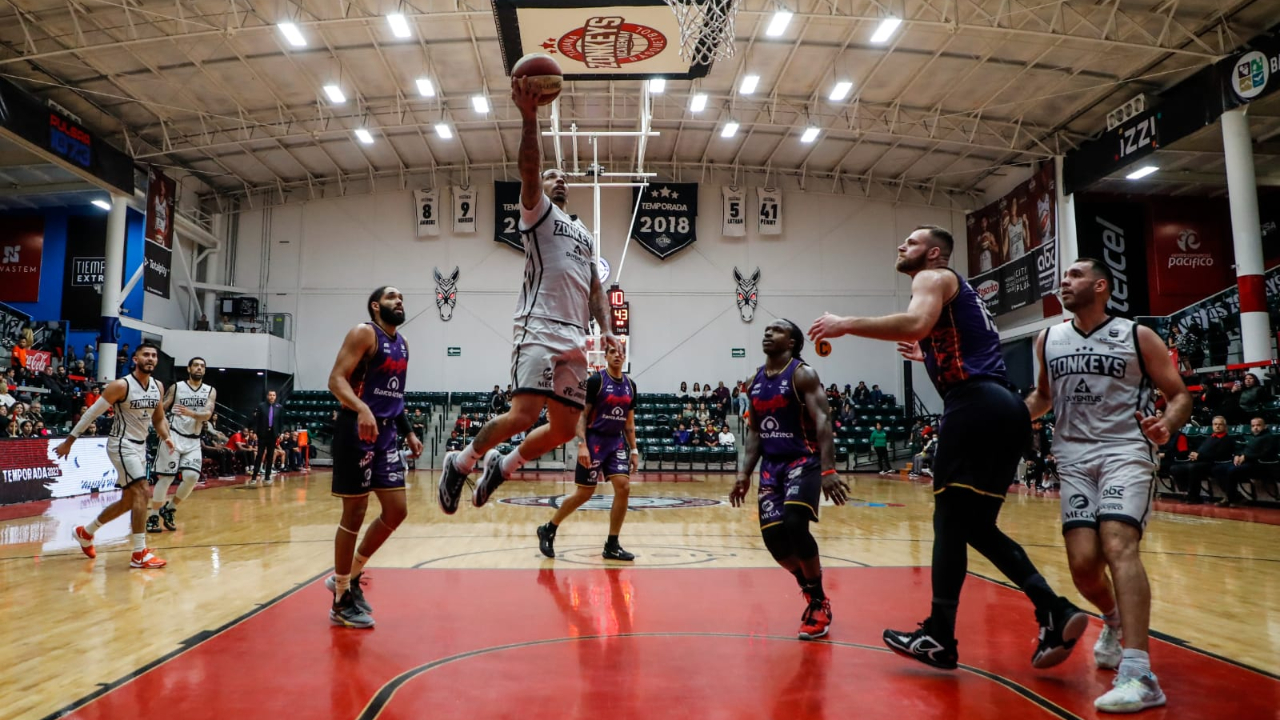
(1246, 232)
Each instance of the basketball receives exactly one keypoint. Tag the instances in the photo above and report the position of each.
(824, 348)
(543, 71)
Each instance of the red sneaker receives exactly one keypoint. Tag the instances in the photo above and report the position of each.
(146, 561)
(86, 541)
(817, 620)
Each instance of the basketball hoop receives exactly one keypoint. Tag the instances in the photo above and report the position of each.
(706, 29)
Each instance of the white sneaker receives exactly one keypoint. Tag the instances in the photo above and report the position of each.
(1131, 694)
(1107, 651)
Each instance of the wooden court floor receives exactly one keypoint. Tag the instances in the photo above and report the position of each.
(473, 622)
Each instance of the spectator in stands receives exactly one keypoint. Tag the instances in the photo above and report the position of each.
(703, 415)
(697, 392)
(1176, 450)
(710, 437)
(122, 360)
(4, 415)
(1217, 448)
(239, 446)
(226, 325)
(833, 396)
(292, 461)
(686, 415)
(1252, 396)
(12, 430)
(1039, 458)
(35, 411)
(721, 393)
(495, 399)
(922, 462)
(726, 438)
(877, 397)
(681, 434)
(683, 396)
(20, 354)
(880, 443)
(90, 361)
(419, 422)
(1260, 447)
(6, 399)
(41, 431)
(848, 416)
(102, 426)
(18, 411)
(27, 429)
(213, 445)
(743, 401)
(58, 387)
(280, 455)
(455, 441)
(202, 325)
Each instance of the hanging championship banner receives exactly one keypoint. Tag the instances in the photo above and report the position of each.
(159, 232)
(770, 210)
(427, 209)
(734, 208)
(666, 221)
(506, 214)
(464, 209)
(21, 249)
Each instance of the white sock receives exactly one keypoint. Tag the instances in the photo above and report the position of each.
(154, 512)
(465, 461)
(93, 526)
(1135, 663)
(512, 462)
(342, 583)
(1112, 619)
(139, 542)
(357, 565)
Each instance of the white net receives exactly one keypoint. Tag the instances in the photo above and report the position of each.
(706, 29)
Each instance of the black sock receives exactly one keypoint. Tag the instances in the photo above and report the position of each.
(1042, 596)
(799, 577)
(612, 541)
(942, 621)
(814, 588)
(552, 526)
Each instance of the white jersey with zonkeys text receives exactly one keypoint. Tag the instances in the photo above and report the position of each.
(196, 400)
(1098, 383)
(133, 413)
(557, 267)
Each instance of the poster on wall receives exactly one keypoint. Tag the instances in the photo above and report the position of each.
(506, 214)
(21, 247)
(426, 208)
(29, 469)
(1115, 233)
(159, 232)
(464, 209)
(770, 210)
(1013, 245)
(666, 220)
(82, 274)
(733, 212)
(1192, 248)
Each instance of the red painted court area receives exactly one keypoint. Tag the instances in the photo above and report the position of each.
(675, 643)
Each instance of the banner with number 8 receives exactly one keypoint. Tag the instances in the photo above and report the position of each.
(426, 206)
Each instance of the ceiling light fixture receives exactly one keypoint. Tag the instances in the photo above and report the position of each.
(749, 83)
(810, 134)
(335, 94)
(425, 88)
(885, 31)
(364, 136)
(840, 91)
(657, 86)
(399, 25)
(292, 34)
(480, 103)
(1141, 172)
(442, 129)
(779, 23)
(698, 103)
(730, 129)
(102, 204)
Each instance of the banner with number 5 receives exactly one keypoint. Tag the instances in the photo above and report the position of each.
(666, 221)
(770, 210)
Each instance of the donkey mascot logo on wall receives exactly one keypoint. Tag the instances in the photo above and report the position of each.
(446, 293)
(747, 294)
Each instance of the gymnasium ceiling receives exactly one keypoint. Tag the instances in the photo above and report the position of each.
(960, 92)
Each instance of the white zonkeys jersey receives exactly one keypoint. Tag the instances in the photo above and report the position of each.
(1043, 206)
(133, 413)
(1098, 383)
(196, 400)
(558, 262)
(1017, 239)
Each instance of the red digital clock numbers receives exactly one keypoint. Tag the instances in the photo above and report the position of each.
(619, 311)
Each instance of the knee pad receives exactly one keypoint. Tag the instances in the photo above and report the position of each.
(796, 523)
(161, 490)
(778, 542)
(189, 479)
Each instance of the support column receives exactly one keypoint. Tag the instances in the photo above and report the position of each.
(1246, 233)
(213, 271)
(112, 279)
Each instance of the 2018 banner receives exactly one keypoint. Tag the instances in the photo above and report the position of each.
(29, 469)
(159, 232)
(666, 221)
(506, 214)
(1013, 245)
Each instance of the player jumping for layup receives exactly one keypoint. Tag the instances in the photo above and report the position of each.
(981, 437)
(136, 399)
(790, 430)
(368, 379)
(1096, 373)
(192, 404)
(561, 292)
(605, 430)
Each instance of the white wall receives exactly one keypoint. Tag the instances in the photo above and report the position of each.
(836, 253)
(256, 351)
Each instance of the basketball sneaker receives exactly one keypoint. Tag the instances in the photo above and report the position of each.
(1107, 651)
(491, 480)
(85, 540)
(146, 560)
(451, 480)
(615, 552)
(357, 591)
(153, 523)
(1131, 694)
(344, 612)
(921, 645)
(547, 540)
(816, 621)
(1060, 628)
(166, 514)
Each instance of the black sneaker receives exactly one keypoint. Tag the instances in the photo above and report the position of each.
(153, 524)
(547, 540)
(451, 481)
(166, 514)
(344, 612)
(491, 479)
(615, 552)
(1060, 628)
(355, 589)
(921, 645)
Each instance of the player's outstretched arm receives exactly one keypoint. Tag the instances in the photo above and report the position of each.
(530, 159)
(930, 291)
(1040, 399)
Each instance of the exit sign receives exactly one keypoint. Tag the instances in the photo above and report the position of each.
(455, 352)
(739, 352)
